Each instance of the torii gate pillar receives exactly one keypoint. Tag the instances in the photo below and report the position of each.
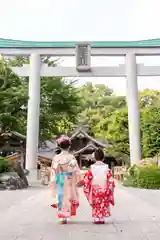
(133, 109)
(33, 115)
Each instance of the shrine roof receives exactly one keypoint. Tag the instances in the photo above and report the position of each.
(81, 132)
(14, 133)
(10, 43)
(89, 146)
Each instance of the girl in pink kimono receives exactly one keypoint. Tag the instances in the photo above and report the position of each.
(65, 175)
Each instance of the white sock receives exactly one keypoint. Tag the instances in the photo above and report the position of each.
(101, 219)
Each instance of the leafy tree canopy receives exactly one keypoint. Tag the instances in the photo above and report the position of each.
(59, 101)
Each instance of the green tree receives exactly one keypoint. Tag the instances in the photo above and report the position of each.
(149, 97)
(59, 106)
(117, 131)
(59, 101)
(98, 102)
(150, 128)
(93, 95)
(13, 96)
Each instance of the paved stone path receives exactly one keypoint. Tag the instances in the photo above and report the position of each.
(26, 215)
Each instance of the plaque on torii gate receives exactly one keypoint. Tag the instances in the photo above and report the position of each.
(83, 56)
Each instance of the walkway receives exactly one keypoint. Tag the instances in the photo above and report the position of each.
(26, 215)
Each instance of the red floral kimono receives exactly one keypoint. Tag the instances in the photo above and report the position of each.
(98, 187)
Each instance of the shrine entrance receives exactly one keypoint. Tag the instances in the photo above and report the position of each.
(82, 51)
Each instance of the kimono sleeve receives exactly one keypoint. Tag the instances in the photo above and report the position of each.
(53, 171)
(110, 188)
(87, 184)
(110, 181)
(75, 169)
(52, 184)
(86, 180)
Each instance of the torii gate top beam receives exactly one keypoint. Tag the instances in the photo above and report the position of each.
(111, 48)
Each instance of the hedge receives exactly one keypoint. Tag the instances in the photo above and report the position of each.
(148, 177)
(144, 177)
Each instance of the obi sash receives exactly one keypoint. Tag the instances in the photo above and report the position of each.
(60, 178)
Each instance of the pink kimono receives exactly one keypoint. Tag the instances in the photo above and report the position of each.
(65, 174)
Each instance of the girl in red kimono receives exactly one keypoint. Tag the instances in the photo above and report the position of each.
(98, 187)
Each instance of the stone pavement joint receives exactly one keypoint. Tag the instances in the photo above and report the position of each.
(27, 215)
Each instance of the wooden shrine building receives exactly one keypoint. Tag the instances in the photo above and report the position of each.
(11, 142)
(13, 146)
(83, 146)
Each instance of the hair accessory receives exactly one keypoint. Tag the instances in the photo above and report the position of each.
(63, 139)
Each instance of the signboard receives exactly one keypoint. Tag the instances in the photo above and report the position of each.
(83, 57)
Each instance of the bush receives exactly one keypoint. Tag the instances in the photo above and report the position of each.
(143, 177)
(133, 170)
(148, 177)
(4, 165)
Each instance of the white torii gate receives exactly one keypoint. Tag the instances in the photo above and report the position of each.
(83, 52)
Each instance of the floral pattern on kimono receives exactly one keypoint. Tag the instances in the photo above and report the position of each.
(99, 198)
(65, 174)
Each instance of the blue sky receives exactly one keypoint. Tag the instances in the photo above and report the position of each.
(79, 20)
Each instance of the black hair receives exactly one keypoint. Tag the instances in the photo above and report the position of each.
(99, 154)
(64, 144)
(58, 151)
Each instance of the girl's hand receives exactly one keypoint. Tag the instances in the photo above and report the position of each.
(92, 204)
(79, 184)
